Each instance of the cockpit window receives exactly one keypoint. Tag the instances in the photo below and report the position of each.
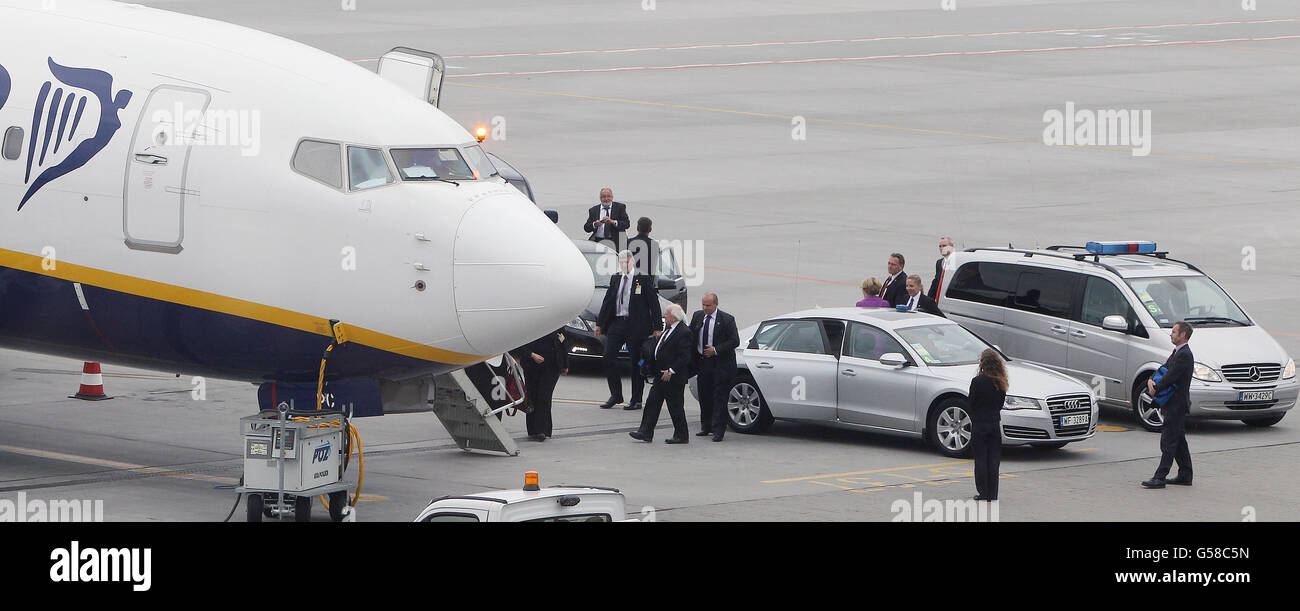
(367, 169)
(479, 162)
(320, 161)
(416, 164)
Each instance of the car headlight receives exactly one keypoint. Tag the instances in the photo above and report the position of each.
(1014, 402)
(579, 324)
(1204, 373)
(1289, 370)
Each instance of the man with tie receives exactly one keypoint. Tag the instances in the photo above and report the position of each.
(607, 221)
(1173, 439)
(716, 340)
(672, 364)
(918, 301)
(945, 248)
(628, 315)
(893, 291)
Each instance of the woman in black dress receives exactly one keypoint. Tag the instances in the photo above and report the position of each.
(988, 391)
(544, 360)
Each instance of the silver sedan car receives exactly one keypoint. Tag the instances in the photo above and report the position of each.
(902, 373)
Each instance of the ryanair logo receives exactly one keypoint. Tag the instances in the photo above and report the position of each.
(74, 118)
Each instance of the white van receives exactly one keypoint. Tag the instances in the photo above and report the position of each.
(1103, 313)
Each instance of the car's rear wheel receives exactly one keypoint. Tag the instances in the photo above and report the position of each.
(1146, 412)
(746, 407)
(1264, 421)
(949, 428)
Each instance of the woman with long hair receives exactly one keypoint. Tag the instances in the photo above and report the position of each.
(988, 391)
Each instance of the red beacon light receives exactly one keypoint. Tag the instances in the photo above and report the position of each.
(1120, 248)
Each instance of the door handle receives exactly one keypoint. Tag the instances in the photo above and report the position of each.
(1077, 333)
(764, 365)
(150, 159)
(420, 267)
(1058, 329)
(849, 372)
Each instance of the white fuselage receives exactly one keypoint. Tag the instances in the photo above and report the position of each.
(221, 258)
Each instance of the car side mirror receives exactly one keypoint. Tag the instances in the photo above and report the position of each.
(893, 359)
(1114, 323)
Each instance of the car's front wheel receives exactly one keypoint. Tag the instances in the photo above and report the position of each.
(1147, 413)
(746, 408)
(949, 428)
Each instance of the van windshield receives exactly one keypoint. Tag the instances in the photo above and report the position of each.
(1195, 299)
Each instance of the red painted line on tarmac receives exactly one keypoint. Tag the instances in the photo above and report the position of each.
(873, 57)
(776, 275)
(725, 45)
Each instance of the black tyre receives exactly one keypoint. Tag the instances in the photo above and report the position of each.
(948, 428)
(1055, 445)
(302, 509)
(254, 507)
(1264, 421)
(1146, 412)
(338, 500)
(746, 407)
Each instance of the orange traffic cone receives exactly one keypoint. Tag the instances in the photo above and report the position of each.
(92, 384)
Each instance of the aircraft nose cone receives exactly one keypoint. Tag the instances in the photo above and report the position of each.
(516, 276)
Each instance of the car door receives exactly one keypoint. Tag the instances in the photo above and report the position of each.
(795, 369)
(1037, 325)
(872, 393)
(1098, 356)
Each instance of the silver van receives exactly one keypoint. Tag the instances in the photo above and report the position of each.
(1103, 313)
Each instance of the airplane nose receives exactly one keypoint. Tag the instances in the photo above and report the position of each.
(516, 276)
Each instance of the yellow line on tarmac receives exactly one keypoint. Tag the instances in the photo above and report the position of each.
(1111, 428)
(579, 401)
(917, 130)
(113, 464)
(812, 477)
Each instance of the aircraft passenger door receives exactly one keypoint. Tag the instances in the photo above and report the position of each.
(155, 193)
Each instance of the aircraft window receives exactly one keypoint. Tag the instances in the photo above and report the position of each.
(320, 161)
(431, 164)
(13, 146)
(477, 159)
(367, 169)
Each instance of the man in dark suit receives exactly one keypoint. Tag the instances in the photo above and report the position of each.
(645, 251)
(1173, 439)
(544, 360)
(716, 339)
(628, 315)
(918, 301)
(672, 364)
(607, 221)
(894, 291)
(945, 248)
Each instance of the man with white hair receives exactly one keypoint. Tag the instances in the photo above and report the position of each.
(672, 364)
(945, 248)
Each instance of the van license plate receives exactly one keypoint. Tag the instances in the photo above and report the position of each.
(1074, 420)
(1256, 395)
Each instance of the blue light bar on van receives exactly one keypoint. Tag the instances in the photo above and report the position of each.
(1119, 248)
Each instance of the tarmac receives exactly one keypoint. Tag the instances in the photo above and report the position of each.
(793, 147)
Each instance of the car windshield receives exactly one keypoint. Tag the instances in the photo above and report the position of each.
(415, 164)
(1195, 299)
(603, 265)
(945, 344)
